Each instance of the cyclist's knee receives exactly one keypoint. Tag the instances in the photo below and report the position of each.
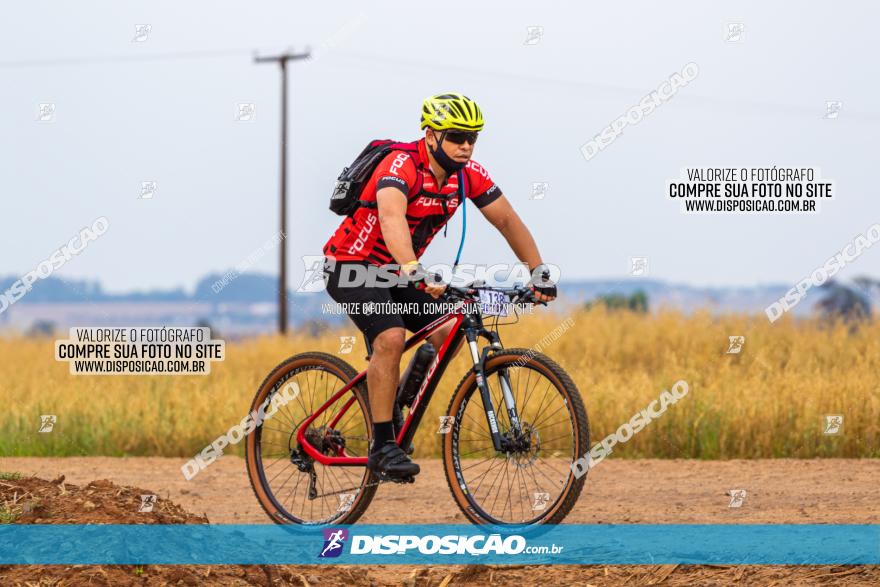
(439, 337)
(389, 342)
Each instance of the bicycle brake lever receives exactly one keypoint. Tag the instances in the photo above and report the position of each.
(528, 296)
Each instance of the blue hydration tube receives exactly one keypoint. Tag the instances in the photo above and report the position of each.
(463, 219)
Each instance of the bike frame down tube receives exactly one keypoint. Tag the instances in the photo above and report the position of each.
(441, 361)
(432, 376)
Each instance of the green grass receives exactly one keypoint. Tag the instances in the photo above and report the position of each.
(7, 516)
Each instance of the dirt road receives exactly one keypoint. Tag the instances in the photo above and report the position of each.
(645, 491)
(617, 491)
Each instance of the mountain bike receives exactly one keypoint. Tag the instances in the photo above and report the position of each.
(514, 425)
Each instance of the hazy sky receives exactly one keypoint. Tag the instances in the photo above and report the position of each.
(164, 110)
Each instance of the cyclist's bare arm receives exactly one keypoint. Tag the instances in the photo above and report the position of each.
(503, 217)
(391, 206)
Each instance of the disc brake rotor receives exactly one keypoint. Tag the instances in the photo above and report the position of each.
(528, 445)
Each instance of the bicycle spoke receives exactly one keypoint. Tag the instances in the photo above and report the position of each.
(474, 452)
(562, 407)
(478, 423)
(509, 502)
(279, 460)
(521, 477)
(535, 479)
(285, 410)
(504, 469)
(483, 475)
(543, 399)
(544, 443)
(498, 474)
(487, 435)
(552, 425)
(353, 415)
(299, 397)
(284, 444)
(292, 491)
(275, 429)
(286, 480)
(546, 477)
(552, 468)
(475, 464)
(276, 474)
(528, 392)
(348, 475)
(325, 396)
(486, 476)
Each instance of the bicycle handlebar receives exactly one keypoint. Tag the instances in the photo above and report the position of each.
(522, 294)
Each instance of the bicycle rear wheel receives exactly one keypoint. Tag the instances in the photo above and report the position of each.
(292, 487)
(533, 483)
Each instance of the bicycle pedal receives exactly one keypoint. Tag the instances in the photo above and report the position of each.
(383, 478)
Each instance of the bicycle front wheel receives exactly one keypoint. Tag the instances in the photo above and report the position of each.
(533, 483)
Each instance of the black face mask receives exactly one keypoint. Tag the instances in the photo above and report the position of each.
(448, 164)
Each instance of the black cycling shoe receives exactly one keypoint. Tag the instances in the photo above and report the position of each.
(390, 463)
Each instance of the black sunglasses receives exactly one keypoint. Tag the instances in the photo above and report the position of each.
(458, 137)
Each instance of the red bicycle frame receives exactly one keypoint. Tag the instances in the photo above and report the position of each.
(404, 436)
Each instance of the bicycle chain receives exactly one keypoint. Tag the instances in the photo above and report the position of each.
(373, 484)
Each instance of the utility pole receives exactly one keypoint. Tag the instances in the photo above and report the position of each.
(282, 273)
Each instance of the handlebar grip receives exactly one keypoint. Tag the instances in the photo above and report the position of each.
(530, 297)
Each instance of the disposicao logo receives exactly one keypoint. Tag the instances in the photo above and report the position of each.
(334, 540)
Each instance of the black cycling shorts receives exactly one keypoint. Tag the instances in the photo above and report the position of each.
(372, 322)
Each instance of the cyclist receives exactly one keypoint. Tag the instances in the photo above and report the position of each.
(415, 194)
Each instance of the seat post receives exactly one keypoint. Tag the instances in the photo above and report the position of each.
(369, 347)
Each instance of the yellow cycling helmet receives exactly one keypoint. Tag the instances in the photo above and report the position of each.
(446, 111)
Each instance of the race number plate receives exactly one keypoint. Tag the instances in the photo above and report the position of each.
(493, 303)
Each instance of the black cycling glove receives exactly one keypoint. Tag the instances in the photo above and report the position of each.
(541, 281)
(417, 275)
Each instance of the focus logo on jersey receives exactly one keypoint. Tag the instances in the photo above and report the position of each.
(434, 202)
(364, 234)
(398, 162)
(478, 168)
(395, 181)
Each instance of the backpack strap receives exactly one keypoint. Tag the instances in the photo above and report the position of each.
(411, 149)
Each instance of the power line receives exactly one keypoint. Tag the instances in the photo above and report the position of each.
(765, 107)
(100, 59)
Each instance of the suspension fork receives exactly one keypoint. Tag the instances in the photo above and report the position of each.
(479, 359)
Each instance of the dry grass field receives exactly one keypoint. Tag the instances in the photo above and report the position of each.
(767, 401)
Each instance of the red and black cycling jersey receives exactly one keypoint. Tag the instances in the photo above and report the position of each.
(359, 236)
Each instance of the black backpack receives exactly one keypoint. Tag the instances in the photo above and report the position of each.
(350, 183)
